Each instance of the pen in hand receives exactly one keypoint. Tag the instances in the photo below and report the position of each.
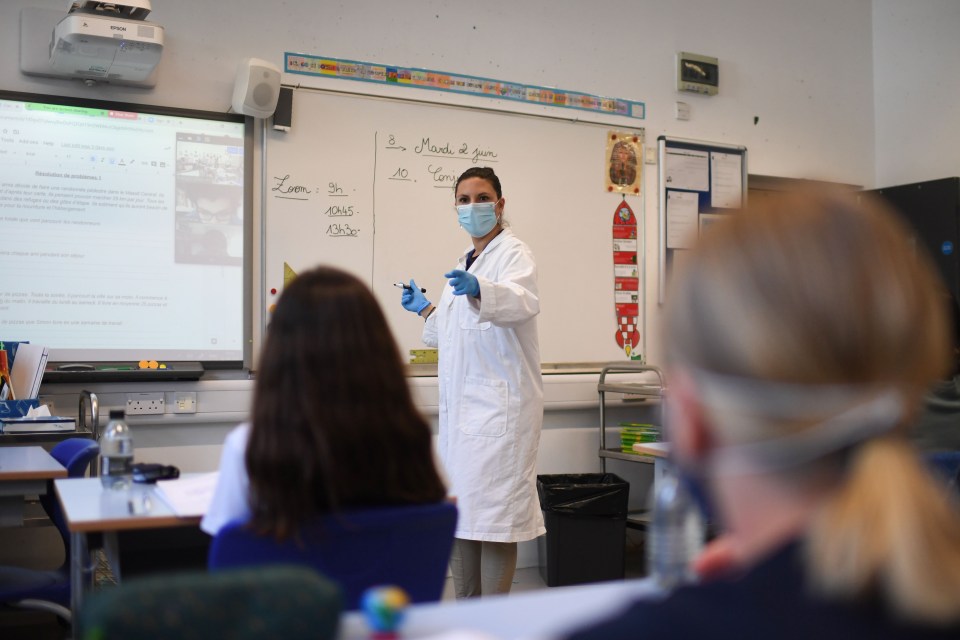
(406, 286)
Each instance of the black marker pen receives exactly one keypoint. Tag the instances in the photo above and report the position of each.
(406, 286)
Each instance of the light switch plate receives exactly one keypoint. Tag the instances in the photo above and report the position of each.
(185, 402)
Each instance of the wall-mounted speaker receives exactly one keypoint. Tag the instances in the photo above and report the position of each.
(256, 88)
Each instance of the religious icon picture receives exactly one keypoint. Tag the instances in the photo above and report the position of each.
(624, 168)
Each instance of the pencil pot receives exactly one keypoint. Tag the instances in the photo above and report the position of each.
(585, 516)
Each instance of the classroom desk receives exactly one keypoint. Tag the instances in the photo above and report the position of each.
(24, 471)
(541, 614)
(89, 508)
(660, 452)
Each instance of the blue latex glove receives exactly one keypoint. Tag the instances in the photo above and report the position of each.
(463, 283)
(413, 299)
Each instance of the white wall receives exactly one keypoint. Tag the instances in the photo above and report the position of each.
(916, 51)
(803, 67)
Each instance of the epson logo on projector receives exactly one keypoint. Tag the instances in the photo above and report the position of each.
(114, 27)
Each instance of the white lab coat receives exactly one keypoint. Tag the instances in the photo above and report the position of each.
(491, 394)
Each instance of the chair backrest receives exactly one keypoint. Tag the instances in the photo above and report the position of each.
(276, 602)
(75, 455)
(406, 546)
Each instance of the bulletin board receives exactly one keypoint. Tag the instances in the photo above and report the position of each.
(367, 184)
(698, 182)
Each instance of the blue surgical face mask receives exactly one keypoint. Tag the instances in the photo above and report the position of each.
(478, 218)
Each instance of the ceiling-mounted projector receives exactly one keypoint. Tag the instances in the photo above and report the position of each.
(106, 41)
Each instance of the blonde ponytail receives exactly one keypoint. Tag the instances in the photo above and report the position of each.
(889, 530)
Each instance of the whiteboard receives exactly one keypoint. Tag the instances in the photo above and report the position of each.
(366, 184)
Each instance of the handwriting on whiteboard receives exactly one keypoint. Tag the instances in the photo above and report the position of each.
(431, 148)
(429, 160)
(286, 188)
(408, 168)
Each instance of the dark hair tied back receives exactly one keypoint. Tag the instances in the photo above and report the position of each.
(484, 173)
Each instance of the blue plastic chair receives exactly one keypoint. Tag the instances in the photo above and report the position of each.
(405, 546)
(50, 590)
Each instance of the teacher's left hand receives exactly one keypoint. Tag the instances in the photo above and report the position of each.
(463, 283)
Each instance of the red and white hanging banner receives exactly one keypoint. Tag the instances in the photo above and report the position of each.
(626, 280)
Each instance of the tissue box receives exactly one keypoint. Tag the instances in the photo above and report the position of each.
(17, 408)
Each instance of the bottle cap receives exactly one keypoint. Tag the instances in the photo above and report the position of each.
(116, 413)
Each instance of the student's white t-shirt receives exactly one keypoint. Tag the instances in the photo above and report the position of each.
(231, 496)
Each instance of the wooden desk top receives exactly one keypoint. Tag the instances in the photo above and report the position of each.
(88, 507)
(29, 463)
(655, 449)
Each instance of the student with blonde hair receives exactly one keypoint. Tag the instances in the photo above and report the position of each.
(800, 338)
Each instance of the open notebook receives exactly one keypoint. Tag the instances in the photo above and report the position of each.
(189, 495)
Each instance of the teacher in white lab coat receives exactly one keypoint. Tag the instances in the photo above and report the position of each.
(491, 390)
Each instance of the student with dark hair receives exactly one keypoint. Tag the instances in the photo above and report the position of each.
(800, 337)
(333, 424)
(491, 391)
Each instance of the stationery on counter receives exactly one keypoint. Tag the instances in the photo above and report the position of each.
(27, 371)
(5, 384)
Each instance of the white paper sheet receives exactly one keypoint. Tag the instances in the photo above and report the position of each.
(189, 495)
(726, 180)
(682, 211)
(686, 169)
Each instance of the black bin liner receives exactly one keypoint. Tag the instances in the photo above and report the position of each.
(585, 515)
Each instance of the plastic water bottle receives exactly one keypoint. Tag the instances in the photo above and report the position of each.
(676, 534)
(116, 453)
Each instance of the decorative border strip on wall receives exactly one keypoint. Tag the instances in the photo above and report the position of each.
(455, 83)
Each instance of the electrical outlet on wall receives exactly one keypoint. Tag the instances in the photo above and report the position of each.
(145, 404)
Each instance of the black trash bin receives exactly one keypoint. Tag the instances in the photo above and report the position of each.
(586, 516)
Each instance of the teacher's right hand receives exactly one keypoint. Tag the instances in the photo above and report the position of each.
(413, 299)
